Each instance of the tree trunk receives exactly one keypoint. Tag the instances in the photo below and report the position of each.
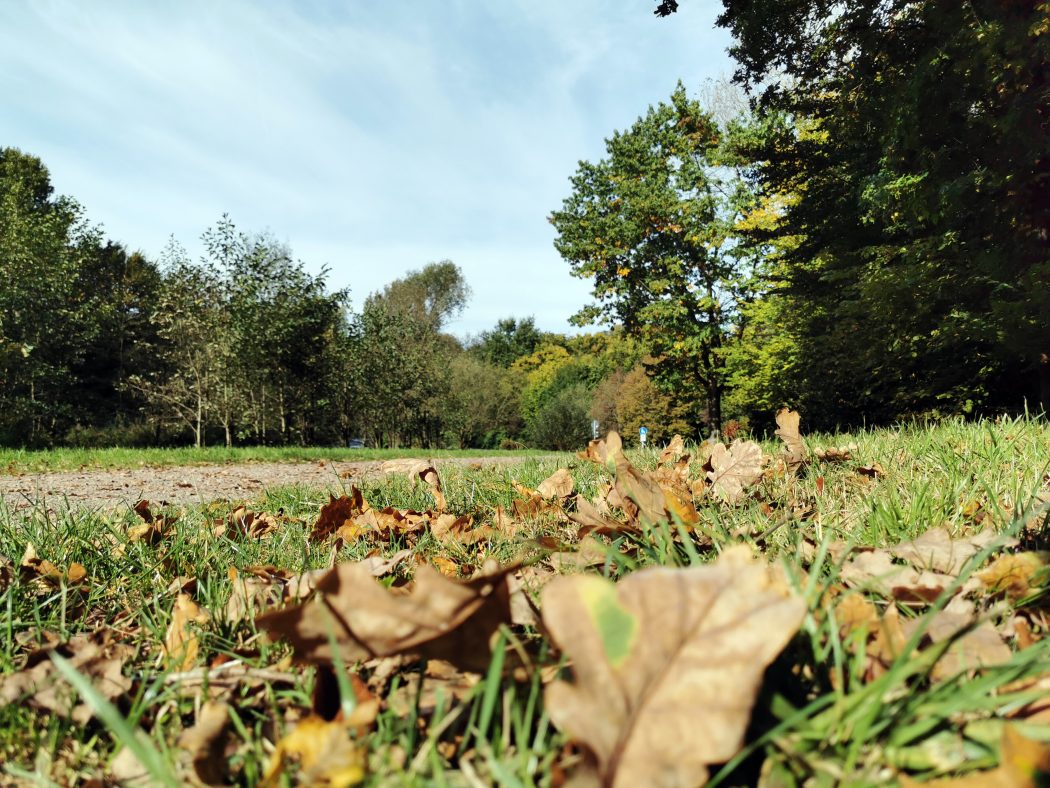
(1044, 384)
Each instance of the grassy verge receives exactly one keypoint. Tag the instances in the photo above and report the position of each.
(821, 718)
(13, 461)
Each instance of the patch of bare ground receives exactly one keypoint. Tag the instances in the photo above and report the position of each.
(190, 484)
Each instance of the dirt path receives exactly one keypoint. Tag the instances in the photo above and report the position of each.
(112, 488)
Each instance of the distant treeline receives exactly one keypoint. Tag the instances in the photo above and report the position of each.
(863, 235)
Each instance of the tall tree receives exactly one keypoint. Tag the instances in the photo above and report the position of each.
(44, 243)
(432, 295)
(917, 154)
(649, 224)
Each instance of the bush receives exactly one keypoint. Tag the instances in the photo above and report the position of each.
(563, 422)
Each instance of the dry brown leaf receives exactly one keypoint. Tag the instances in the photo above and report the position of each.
(788, 431)
(337, 513)
(421, 470)
(979, 647)
(662, 652)
(205, 743)
(324, 751)
(251, 524)
(380, 566)
(673, 451)
(873, 471)
(589, 552)
(734, 468)
(438, 618)
(181, 645)
(653, 502)
(446, 526)
(592, 520)
(558, 485)
(936, 549)
(1017, 574)
(603, 451)
(875, 570)
(41, 686)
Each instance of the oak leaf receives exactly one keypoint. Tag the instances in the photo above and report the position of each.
(734, 468)
(437, 618)
(667, 664)
(558, 485)
(788, 431)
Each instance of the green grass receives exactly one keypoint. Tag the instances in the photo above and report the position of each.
(13, 461)
(816, 722)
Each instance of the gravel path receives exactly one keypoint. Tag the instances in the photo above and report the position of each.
(189, 484)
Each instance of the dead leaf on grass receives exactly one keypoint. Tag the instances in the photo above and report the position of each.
(1017, 575)
(673, 451)
(734, 468)
(41, 686)
(558, 485)
(422, 470)
(938, 550)
(603, 451)
(788, 431)
(662, 652)
(437, 617)
(337, 513)
(205, 743)
(325, 754)
(181, 645)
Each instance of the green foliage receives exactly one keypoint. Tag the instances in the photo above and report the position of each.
(510, 340)
(904, 153)
(648, 224)
(432, 295)
(562, 420)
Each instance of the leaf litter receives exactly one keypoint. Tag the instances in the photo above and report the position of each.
(444, 617)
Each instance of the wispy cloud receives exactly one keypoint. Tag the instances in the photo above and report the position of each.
(374, 137)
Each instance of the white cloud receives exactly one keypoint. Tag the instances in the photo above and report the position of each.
(373, 136)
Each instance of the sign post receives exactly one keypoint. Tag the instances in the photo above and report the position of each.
(643, 433)
(594, 428)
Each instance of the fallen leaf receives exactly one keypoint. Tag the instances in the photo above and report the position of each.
(380, 566)
(324, 751)
(180, 643)
(337, 513)
(422, 470)
(872, 471)
(40, 685)
(589, 552)
(734, 468)
(437, 618)
(251, 524)
(936, 549)
(558, 485)
(663, 652)
(788, 431)
(1017, 575)
(603, 451)
(205, 743)
(673, 451)
(654, 502)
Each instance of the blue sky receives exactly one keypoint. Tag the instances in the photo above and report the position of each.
(373, 137)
